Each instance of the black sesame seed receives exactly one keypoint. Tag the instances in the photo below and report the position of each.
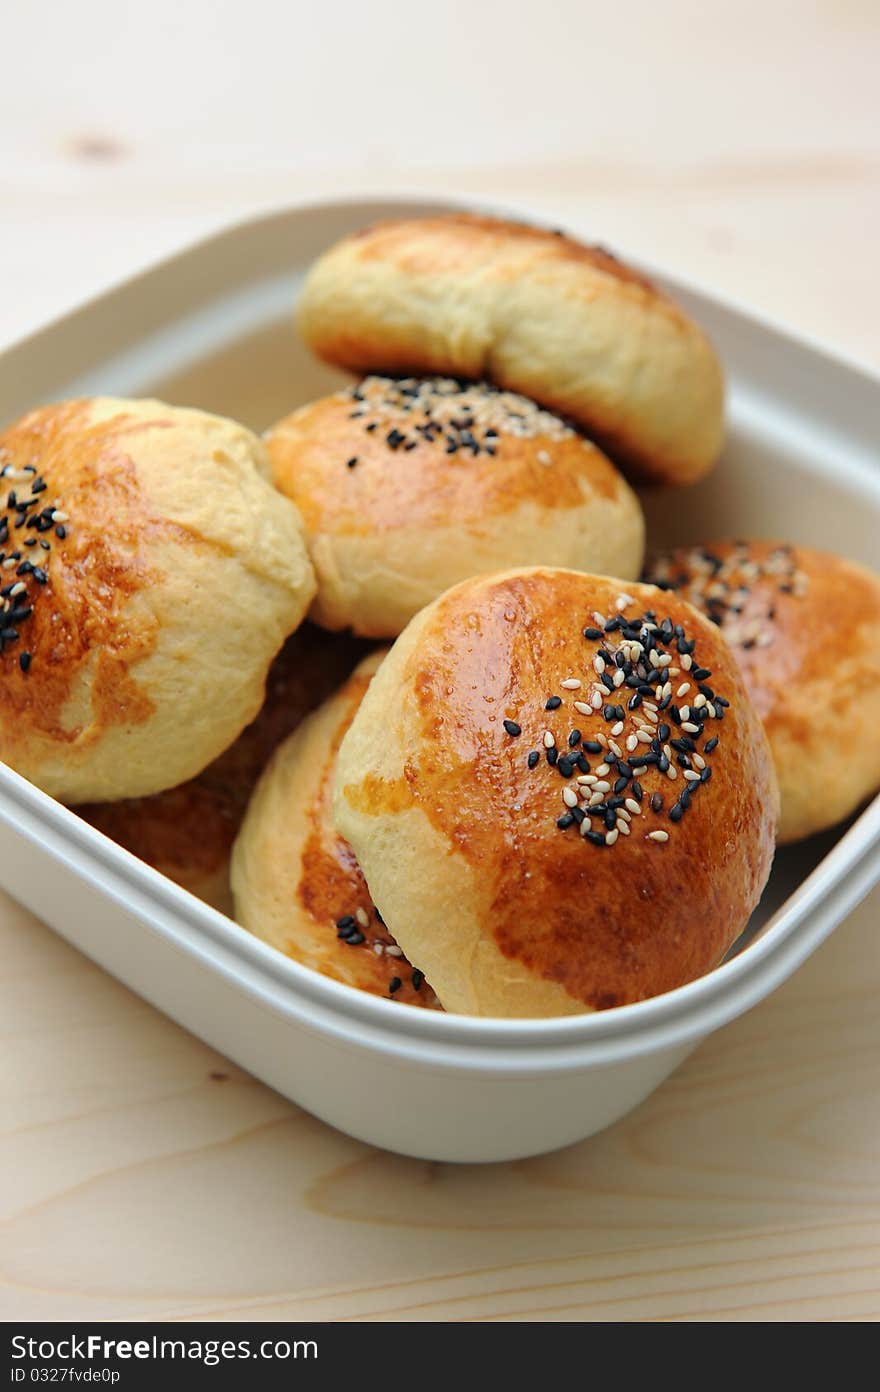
(553, 703)
(578, 813)
(512, 728)
(610, 713)
(394, 985)
(656, 803)
(552, 755)
(624, 768)
(350, 464)
(582, 763)
(607, 682)
(705, 774)
(574, 738)
(347, 921)
(565, 821)
(710, 745)
(620, 784)
(596, 837)
(61, 532)
(592, 633)
(637, 791)
(676, 812)
(592, 746)
(354, 939)
(533, 758)
(24, 663)
(565, 766)
(663, 732)
(701, 673)
(417, 979)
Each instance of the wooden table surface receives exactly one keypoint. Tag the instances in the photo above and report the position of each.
(141, 1175)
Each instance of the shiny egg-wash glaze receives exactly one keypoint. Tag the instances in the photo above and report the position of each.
(407, 486)
(803, 626)
(296, 881)
(535, 312)
(472, 852)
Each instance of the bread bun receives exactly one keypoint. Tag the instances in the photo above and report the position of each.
(457, 788)
(164, 575)
(187, 832)
(408, 486)
(804, 627)
(532, 311)
(296, 883)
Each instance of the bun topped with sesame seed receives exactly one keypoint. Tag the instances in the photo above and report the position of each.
(559, 794)
(534, 312)
(804, 627)
(295, 881)
(408, 485)
(150, 573)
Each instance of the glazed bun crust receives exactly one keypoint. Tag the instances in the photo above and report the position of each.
(804, 627)
(187, 832)
(532, 311)
(508, 913)
(408, 486)
(294, 877)
(175, 574)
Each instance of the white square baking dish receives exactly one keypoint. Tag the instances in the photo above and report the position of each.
(212, 327)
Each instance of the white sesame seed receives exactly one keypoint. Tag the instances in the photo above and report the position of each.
(599, 663)
(684, 712)
(624, 815)
(619, 677)
(631, 743)
(658, 836)
(699, 761)
(683, 689)
(569, 797)
(652, 716)
(632, 806)
(602, 738)
(17, 589)
(602, 786)
(622, 827)
(601, 770)
(599, 619)
(687, 661)
(665, 660)
(644, 736)
(691, 728)
(596, 700)
(699, 701)
(549, 739)
(570, 684)
(362, 917)
(611, 837)
(60, 516)
(378, 948)
(617, 729)
(622, 601)
(615, 748)
(711, 709)
(586, 825)
(639, 769)
(665, 690)
(587, 780)
(672, 773)
(582, 708)
(544, 457)
(393, 951)
(596, 799)
(691, 776)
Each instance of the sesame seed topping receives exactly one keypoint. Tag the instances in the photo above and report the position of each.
(549, 739)
(570, 684)
(658, 836)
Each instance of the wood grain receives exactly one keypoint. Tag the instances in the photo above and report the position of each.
(144, 1176)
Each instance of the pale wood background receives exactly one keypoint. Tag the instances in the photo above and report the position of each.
(140, 1174)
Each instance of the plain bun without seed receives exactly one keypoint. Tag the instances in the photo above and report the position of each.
(164, 575)
(535, 837)
(408, 486)
(534, 312)
(804, 627)
(296, 882)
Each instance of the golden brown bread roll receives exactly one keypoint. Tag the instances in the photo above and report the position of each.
(559, 802)
(295, 881)
(408, 486)
(804, 627)
(187, 832)
(151, 574)
(535, 312)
